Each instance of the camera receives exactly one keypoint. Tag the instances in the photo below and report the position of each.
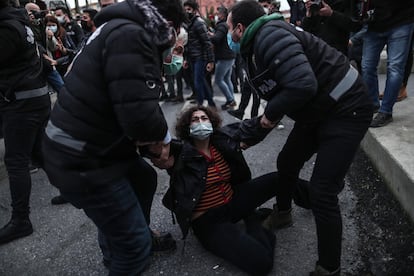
(38, 14)
(315, 6)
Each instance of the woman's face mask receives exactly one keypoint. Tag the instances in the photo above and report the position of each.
(172, 62)
(61, 19)
(52, 28)
(201, 130)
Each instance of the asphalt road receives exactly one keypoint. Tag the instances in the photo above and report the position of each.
(378, 236)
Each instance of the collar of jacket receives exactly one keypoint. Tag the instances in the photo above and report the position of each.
(246, 41)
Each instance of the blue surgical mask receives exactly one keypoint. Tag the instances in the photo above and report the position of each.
(234, 46)
(174, 66)
(201, 131)
(53, 28)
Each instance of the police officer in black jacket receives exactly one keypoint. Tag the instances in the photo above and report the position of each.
(304, 78)
(24, 109)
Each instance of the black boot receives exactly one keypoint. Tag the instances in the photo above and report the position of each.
(57, 200)
(16, 228)
(162, 242)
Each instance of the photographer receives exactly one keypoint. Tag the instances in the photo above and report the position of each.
(332, 21)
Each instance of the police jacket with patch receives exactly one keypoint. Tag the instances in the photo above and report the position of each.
(21, 75)
(296, 72)
(199, 44)
(110, 97)
(188, 176)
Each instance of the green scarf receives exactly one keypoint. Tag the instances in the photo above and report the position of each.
(248, 36)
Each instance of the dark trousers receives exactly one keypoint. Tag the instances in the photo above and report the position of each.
(121, 212)
(250, 249)
(335, 142)
(22, 132)
(246, 93)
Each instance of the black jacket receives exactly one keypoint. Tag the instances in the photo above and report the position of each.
(199, 44)
(188, 176)
(334, 29)
(110, 97)
(299, 71)
(219, 40)
(389, 14)
(20, 63)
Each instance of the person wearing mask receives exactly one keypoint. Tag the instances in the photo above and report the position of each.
(73, 30)
(211, 190)
(199, 52)
(390, 23)
(224, 58)
(107, 108)
(24, 110)
(315, 85)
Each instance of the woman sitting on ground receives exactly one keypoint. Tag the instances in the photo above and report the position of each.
(211, 190)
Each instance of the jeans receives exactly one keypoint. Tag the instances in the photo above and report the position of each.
(55, 80)
(22, 132)
(252, 249)
(397, 41)
(335, 142)
(200, 82)
(222, 77)
(123, 233)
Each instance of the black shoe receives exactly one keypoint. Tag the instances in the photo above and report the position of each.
(16, 228)
(162, 242)
(236, 113)
(170, 98)
(163, 97)
(33, 169)
(57, 200)
(381, 119)
(320, 271)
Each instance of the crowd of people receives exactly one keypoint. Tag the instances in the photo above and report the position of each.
(112, 67)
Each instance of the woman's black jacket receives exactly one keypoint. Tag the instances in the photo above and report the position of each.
(188, 176)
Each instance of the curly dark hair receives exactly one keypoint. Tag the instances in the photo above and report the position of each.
(182, 128)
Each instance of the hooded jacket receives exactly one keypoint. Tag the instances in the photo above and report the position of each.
(298, 71)
(20, 64)
(110, 97)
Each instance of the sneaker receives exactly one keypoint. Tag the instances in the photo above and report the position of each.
(57, 200)
(236, 113)
(16, 228)
(191, 97)
(320, 271)
(381, 119)
(162, 242)
(280, 126)
(278, 219)
(178, 99)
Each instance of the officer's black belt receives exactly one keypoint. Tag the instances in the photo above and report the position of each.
(344, 85)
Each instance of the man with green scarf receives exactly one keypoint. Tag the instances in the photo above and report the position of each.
(302, 77)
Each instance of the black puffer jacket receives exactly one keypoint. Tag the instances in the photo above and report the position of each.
(299, 70)
(188, 176)
(110, 98)
(334, 29)
(199, 44)
(20, 63)
(219, 40)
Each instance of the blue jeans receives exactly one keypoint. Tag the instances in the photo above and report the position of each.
(222, 77)
(22, 131)
(397, 41)
(200, 82)
(123, 233)
(55, 80)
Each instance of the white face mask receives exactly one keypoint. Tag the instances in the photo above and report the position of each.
(266, 10)
(61, 19)
(201, 131)
(216, 18)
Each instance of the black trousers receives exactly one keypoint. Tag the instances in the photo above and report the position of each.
(23, 128)
(250, 249)
(335, 142)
